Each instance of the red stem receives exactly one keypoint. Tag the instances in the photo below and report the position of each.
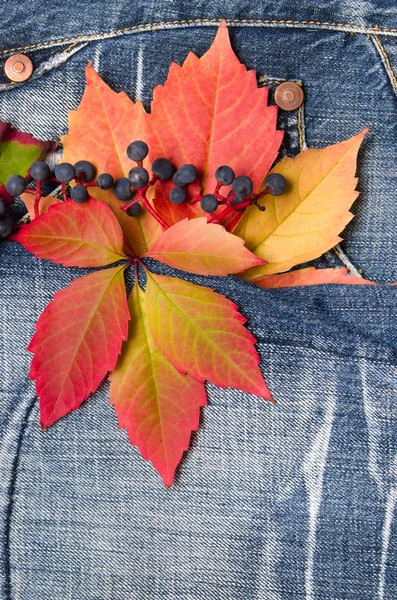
(63, 185)
(37, 199)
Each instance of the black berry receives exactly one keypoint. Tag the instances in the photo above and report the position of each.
(105, 181)
(5, 226)
(134, 210)
(16, 185)
(121, 189)
(224, 175)
(65, 172)
(187, 174)
(163, 168)
(177, 195)
(176, 181)
(39, 170)
(85, 170)
(3, 208)
(242, 186)
(137, 151)
(138, 177)
(79, 194)
(276, 184)
(209, 203)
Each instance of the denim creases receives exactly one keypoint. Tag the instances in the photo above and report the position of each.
(287, 502)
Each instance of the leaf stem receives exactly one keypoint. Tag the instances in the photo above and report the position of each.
(37, 198)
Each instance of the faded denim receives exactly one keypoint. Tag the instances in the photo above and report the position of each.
(289, 502)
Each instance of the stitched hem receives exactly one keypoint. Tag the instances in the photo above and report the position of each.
(162, 25)
(11, 496)
(386, 61)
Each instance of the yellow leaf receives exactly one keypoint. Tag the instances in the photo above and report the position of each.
(306, 220)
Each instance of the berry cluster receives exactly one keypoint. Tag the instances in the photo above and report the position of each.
(132, 189)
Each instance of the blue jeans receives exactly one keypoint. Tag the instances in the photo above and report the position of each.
(290, 502)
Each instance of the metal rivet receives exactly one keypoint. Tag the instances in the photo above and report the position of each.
(289, 95)
(18, 67)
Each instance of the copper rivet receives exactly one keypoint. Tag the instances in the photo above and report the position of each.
(18, 67)
(289, 95)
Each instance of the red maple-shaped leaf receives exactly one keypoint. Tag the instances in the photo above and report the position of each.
(158, 406)
(210, 112)
(77, 341)
(202, 333)
(74, 235)
(205, 248)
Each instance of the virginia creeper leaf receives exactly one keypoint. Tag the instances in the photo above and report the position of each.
(202, 334)
(75, 235)
(210, 112)
(77, 341)
(306, 220)
(100, 130)
(205, 248)
(158, 406)
(17, 152)
(308, 276)
(44, 205)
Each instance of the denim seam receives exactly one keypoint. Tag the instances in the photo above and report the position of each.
(386, 62)
(163, 25)
(11, 496)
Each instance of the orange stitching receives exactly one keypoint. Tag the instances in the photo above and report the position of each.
(143, 26)
(389, 68)
(300, 127)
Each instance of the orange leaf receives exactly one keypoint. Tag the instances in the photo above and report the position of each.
(210, 112)
(74, 235)
(158, 406)
(77, 341)
(44, 205)
(100, 131)
(204, 248)
(306, 220)
(308, 276)
(202, 334)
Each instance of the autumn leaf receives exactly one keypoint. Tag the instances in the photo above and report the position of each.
(44, 204)
(308, 276)
(205, 248)
(77, 341)
(100, 130)
(306, 220)
(75, 235)
(201, 333)
(158, 406)
(210, 112)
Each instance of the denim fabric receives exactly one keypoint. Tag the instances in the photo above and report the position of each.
(290, 502)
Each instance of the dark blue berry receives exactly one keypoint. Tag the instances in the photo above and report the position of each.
(176, 181)
(209, 203)
(39, 170)
(85, 170)
(224, 175)
(16, 185)
(105, 181)
(137, 151)
(3, 208)
(134, 210)
(6, 225)
(79, 194)
(177, 195)
(121, 189)
(138, 177)
(65, 172)
(187, 174)
(163, 168)
(276, 184)
(242, 186)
